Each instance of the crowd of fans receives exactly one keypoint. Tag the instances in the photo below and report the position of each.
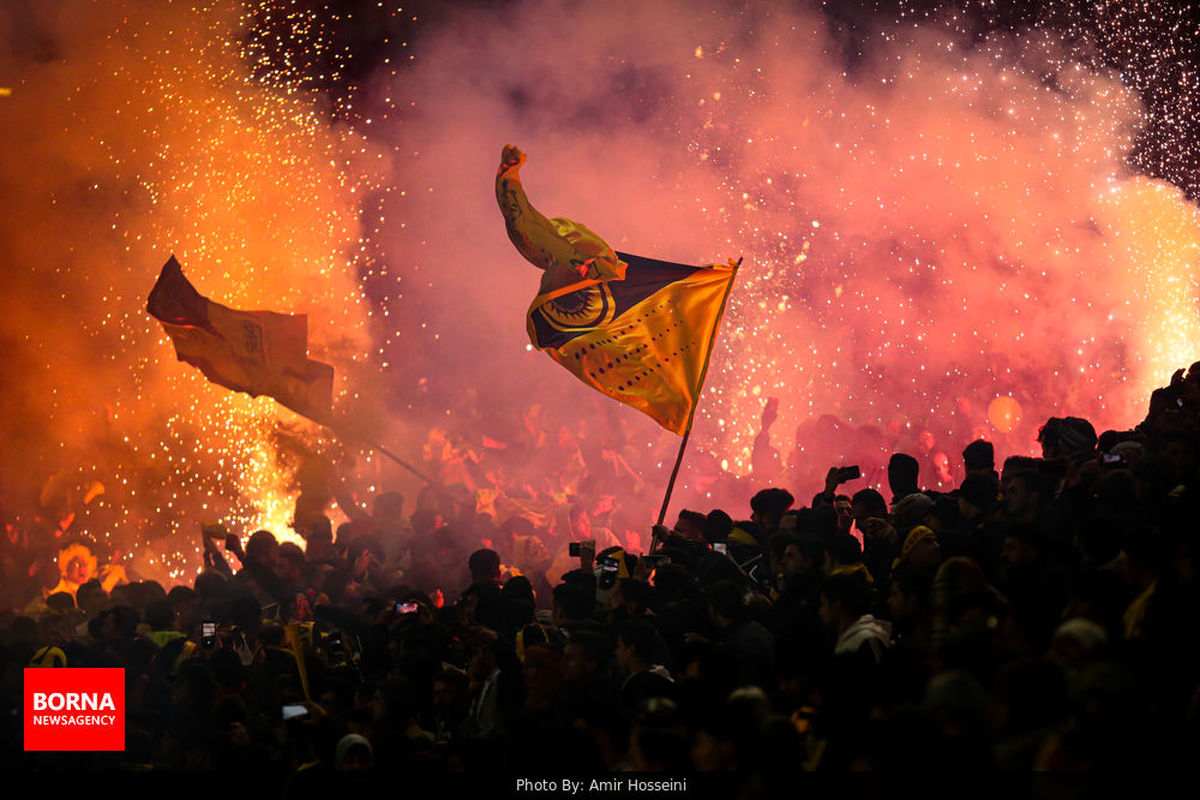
(1036, 617)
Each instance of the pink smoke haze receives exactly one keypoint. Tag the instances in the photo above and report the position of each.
(941, 226)
(927, 228)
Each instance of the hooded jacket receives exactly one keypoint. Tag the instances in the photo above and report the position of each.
(866, 633)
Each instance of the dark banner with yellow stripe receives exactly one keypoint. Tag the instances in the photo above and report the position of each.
(642, 340)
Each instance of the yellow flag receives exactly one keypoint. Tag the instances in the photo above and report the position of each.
(637, 329)
(257, 352)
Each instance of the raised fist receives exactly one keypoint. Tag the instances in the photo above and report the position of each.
(511, 158)
(770, 412)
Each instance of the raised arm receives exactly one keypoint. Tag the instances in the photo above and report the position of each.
(566, 250)
(534, 236)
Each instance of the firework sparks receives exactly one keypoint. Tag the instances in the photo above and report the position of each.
(933, 215)
(939, 206)
(179, 143)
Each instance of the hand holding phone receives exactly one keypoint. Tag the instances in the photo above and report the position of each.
(585, 551)
(208, 634)
(836, 476)
(213, 531)
(609, 569)
(234, 545)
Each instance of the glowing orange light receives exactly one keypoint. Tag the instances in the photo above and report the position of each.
(1005, 414)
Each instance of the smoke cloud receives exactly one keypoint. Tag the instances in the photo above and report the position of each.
(928, 225)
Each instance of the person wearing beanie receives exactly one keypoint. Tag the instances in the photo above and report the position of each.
(920, 548)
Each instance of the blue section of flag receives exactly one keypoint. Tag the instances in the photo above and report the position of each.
(644, 277)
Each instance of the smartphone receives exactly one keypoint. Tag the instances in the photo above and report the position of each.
(851, 473)
(608, 572)
(335, 650)
(208, 634)
(1112, 460)
(407, 608)
(721, 547)
(573, 549)
(294, 711)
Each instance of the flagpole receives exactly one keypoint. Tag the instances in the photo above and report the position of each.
(436, 485)
(662, 512)
(383, 450)
(687, 433)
